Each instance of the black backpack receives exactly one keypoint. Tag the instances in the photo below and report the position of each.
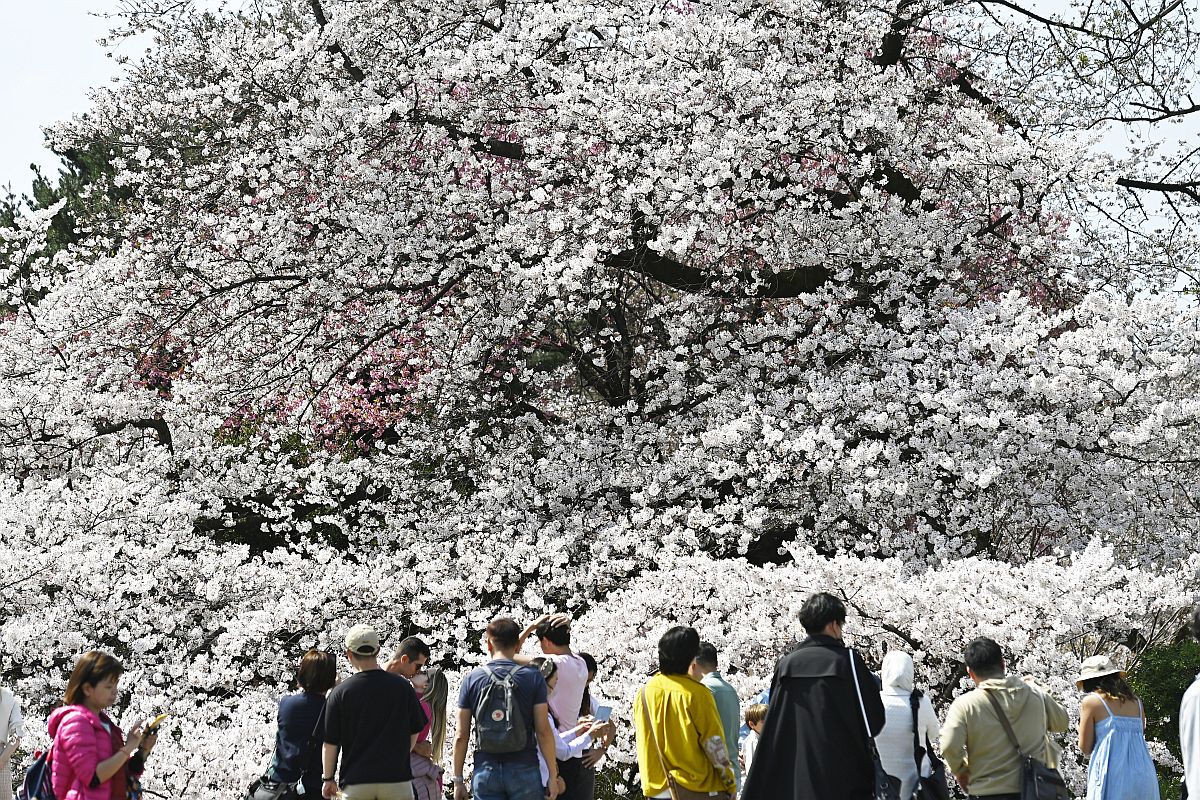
(499, 725)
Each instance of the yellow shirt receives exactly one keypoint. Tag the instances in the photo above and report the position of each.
(684, 715)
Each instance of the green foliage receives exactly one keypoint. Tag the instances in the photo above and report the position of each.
(610, 777)
(1169, 787)
(1162, 675)
(85, 182)
(92, 201)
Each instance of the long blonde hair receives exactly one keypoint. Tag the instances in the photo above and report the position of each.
(437, 693)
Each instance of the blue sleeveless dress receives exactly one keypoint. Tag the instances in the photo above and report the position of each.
(1121, 767)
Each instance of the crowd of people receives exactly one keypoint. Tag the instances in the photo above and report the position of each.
(828, 727)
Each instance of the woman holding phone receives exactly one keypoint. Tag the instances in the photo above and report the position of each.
(92, 760)
(573, 742)
(602, 737)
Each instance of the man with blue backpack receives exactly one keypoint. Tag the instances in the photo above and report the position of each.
(506, 703)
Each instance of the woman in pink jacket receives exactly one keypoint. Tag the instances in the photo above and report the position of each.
(89, 759)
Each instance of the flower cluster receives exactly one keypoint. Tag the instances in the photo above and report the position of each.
(420, 315)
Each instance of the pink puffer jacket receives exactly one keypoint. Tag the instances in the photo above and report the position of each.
(80, 743)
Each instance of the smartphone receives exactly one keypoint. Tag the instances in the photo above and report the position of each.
(152, 728)
(603, 713)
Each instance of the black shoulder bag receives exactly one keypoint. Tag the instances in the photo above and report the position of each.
(1038, 781)
(934, 786)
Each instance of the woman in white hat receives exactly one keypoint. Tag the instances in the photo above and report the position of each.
(1112, 731)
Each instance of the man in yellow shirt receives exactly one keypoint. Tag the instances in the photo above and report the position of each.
(676, 721)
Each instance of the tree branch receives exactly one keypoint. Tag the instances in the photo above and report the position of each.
(482, 144)
(335, 49)
(788, 283)
(156, 424)
(1189, 188)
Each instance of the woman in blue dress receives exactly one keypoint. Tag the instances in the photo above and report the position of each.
(1112, 728)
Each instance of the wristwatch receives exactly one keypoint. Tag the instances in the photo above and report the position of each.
(458, 779)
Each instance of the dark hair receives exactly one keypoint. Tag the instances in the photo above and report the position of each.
(504, 633)
(557, 634)
(1112, 685)
(91, 668)
(317, 672)
(547, 667)
(820, 610)
(585, 704)
(544, 665)
(413, 648)
(984, 656)
(677, 650)
(707, 655)
(1196, 622)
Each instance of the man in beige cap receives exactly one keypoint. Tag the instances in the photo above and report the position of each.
(368, 720)
(974, 744)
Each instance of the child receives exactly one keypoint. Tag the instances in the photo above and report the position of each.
(756, 717)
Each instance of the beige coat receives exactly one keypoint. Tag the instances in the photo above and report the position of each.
(973, 738)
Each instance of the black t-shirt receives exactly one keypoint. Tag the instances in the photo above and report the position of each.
(371, 716)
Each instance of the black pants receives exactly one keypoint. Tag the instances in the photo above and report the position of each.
(578, 787)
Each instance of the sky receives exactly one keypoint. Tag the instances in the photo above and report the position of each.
(49, 61)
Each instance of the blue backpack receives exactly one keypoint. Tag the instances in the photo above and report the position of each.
(36, 785)
(499, 723)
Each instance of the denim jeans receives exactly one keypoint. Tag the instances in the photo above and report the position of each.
(507, 780)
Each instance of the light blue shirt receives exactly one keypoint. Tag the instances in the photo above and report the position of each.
(729, 708)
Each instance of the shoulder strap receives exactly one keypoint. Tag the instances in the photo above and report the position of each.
(1004, 723)
(858, 691)
(914, 700)
(650, 731)
(505, 678)
(1105, 702)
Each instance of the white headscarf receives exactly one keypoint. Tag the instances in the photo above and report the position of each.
(897, 671)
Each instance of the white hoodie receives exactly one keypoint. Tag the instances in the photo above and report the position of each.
(895, 741)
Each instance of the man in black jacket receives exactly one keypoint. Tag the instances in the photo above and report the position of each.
(815, 743)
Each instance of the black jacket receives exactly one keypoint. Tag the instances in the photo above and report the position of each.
(814, 745)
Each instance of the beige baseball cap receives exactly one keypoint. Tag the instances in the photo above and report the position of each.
(362, 640)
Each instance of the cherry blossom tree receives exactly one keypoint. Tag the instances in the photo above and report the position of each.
(422, 313)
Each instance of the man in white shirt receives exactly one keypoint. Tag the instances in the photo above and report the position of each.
(553, 632)
(1189, 727)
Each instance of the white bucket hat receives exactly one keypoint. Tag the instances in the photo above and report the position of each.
(1096, 667)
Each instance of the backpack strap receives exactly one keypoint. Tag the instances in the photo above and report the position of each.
(1004, 723)
(914, 701)
(662, 759)
(505, 681)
